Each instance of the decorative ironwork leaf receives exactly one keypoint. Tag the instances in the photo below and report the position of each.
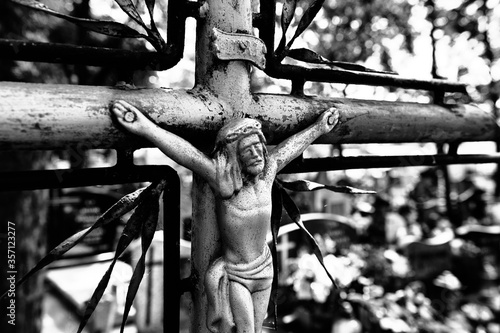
(287, 13)
(109, 28)
(129, 8)
(314, 58)
(306, 185)
(150, 4)
(277, 209)
(294, 213)
(306, 20)
(120, 208)
(286, 18)
(153, 32)
(307, 56)
(148, 231)
(131, 231)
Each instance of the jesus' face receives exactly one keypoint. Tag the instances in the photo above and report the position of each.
(251, 154)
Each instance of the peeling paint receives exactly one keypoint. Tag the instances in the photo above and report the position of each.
(285, 118)
(206, 112)
(344, 131)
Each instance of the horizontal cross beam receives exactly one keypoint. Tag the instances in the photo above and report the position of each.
(45, 116)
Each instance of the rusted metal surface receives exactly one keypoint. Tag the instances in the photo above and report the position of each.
(229, 80)
(367, 121)
(43, 116)
(234, 46)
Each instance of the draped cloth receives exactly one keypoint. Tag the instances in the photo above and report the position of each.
(256, 275)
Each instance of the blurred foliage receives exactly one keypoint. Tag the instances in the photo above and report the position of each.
(457, 40)
(22, 23)
(19, 24)
(477, 22)
(352, 30)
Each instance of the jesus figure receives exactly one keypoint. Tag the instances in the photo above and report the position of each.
(241, 172)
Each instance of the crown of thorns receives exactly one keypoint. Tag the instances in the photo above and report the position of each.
(237, 129)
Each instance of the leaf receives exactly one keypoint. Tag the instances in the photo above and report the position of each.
(120, 208)
(306, 185)
(287, 13)
(104, 27)
(307, 56)
(306, 20)
(314, 58)
(128, 7)
(277, 208)
(294, 213)
(150, 4)
(130, 232)
(148, 231)
(286, 18)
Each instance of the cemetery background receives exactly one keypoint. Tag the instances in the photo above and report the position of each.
(390, 35)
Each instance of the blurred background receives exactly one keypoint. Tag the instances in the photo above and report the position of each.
(422, 255)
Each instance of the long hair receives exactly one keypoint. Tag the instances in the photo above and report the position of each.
(229, 175)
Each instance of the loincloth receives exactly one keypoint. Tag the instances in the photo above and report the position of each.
(256, 275)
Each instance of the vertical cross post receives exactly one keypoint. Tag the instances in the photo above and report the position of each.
(230, 81)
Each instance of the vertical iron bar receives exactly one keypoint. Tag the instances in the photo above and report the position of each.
(171, 253)
(267, 28)
(176, 29)
(438, 98)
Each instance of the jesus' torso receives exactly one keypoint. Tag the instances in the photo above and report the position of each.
(244, 221)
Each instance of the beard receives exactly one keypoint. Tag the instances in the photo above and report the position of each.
(251, 174)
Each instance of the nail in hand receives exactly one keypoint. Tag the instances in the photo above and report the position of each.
(129, 117)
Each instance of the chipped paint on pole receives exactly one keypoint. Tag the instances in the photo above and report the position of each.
(229, 80)
(72, 115)
(233, 46)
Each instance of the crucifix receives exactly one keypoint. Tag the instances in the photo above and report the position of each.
(225, 48)
(241, 173)
(232, 183)
(234, 268)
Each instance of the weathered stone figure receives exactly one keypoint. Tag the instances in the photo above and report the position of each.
(241, 173)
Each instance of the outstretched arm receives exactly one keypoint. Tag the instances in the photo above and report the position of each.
(170, 144)
(292, 147)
